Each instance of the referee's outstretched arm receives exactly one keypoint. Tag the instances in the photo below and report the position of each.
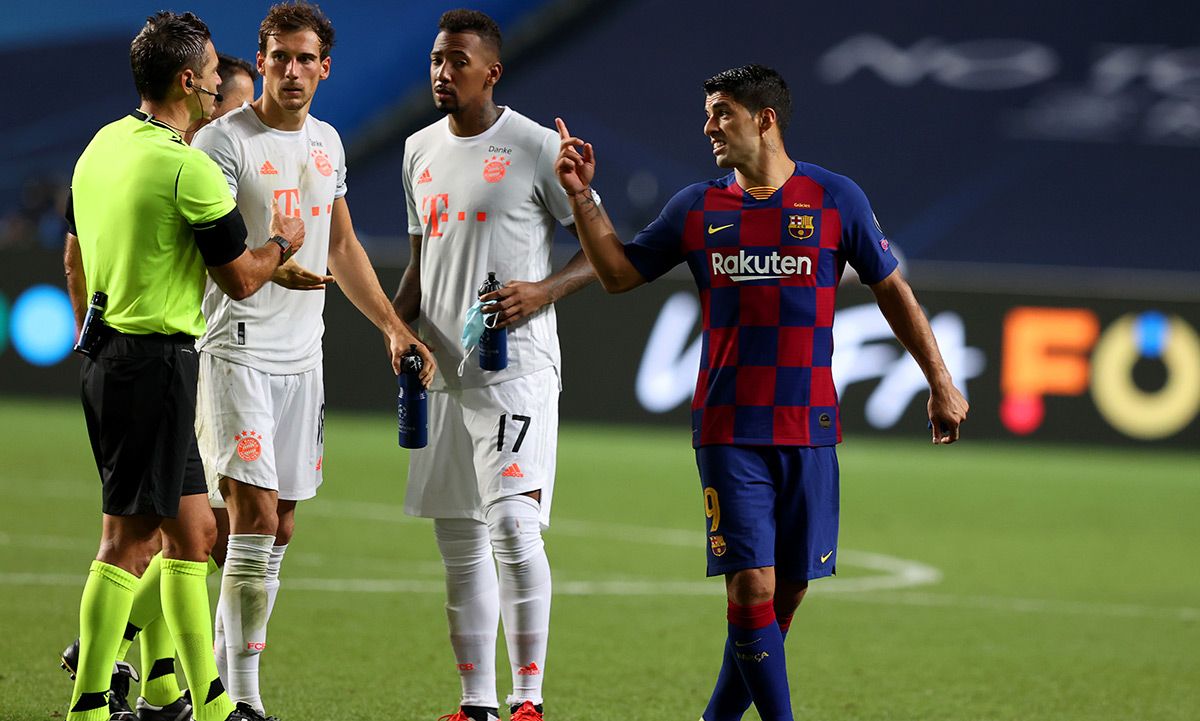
(238, 271)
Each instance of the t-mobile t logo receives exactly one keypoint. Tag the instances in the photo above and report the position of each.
(434, 212)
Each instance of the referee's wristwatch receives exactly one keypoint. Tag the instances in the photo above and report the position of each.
(284, 245)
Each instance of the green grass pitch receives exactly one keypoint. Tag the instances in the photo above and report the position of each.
(979, 582)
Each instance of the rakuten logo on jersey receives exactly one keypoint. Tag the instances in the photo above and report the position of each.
(744, 266)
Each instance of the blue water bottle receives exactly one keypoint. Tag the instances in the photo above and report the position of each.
(412, 410)
(493, 344)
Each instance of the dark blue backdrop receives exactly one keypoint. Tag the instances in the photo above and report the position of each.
(1027, 132)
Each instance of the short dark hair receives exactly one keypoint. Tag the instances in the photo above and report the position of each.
(228, 66)
(472, 21)
(290, 17)
(166, 45)
(756, 87)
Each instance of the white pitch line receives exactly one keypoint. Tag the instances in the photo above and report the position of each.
(609, 587)
(632, 587)
(882, 588)
(893, 573)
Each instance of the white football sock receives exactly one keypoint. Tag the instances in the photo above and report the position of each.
(246, 603)
(219, 651)
(272, 582)
(472, 605)
(516, 533)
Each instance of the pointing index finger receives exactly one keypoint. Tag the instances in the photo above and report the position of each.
(562, 128)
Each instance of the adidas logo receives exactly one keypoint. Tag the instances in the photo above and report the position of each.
(514, 471)
(268, 169)
(531, 669)
(425, 177)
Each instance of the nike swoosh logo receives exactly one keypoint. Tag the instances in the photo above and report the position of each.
(826, 557)
(716, 229)
(739, 644)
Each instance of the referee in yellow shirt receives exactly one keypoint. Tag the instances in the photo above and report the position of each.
(147, 215)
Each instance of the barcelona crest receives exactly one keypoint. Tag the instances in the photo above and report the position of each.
(718, 545)
(800, 227)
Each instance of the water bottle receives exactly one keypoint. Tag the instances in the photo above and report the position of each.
(493, 344)
(93, 326)
(412, 411)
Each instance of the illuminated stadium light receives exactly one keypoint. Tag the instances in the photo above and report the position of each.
(43, 325)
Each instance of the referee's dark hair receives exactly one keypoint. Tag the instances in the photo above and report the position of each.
(169, 43)
(472, 21)
(228, 66)
(755, 87)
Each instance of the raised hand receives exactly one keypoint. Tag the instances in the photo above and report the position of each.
(574, 169)
(291, 228)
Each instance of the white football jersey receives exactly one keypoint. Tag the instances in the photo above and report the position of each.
(484, 203)
(276, 330)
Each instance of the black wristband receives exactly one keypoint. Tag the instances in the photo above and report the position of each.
(285, 247)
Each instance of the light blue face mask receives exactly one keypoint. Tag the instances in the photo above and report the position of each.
(476, 322)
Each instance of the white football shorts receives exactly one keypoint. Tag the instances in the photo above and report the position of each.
(486, 444)
(260, 429)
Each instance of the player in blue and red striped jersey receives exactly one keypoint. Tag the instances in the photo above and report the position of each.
(767, 245)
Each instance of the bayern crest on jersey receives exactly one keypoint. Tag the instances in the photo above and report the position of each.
(494, 168)
(324, 167)
(800, 227)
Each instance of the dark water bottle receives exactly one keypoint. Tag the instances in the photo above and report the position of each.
(93, 326)
(412, 411)
(493, 344)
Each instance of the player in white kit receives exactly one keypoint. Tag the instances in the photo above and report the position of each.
(483, 197)
(261, 402)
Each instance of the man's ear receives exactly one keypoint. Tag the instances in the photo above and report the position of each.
(494, 73)
(767, 119)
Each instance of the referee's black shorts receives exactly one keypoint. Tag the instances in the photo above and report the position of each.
(139, 400)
